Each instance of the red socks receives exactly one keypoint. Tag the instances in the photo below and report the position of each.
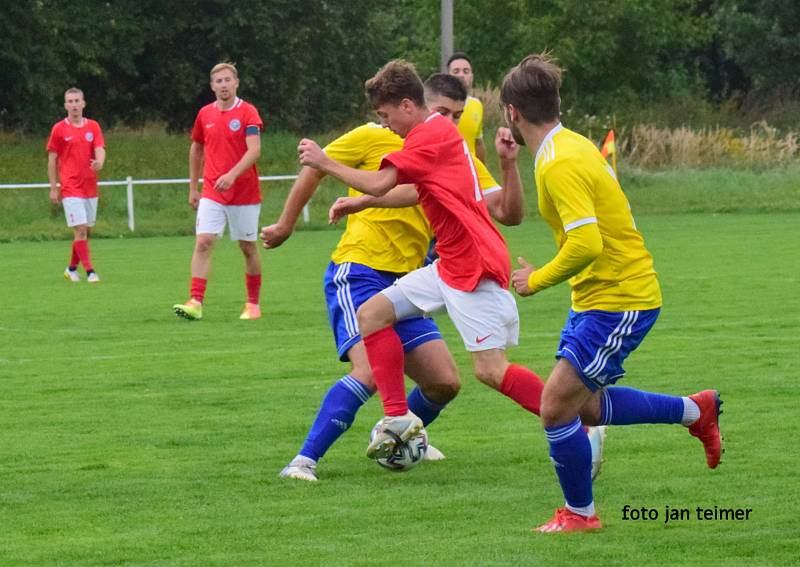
(524, 387)
(74, 259)
(80, 248)
(198, 289)
(385, 354)
(253, 287)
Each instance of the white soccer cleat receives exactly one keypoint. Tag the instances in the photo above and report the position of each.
(597, 439)
(71, 275)
(93, 278)
(301, 468)
(393, 431)
(433, 454)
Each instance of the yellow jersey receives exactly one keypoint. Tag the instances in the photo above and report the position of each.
(391, 240)
(576, 187)
(471, 122)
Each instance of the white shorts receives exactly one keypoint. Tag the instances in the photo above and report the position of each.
(242, 219)
(487, 317)
(80, 211)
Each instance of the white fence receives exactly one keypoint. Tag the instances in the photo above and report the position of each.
(129, 182)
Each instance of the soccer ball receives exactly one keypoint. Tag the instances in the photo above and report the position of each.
(405, 456)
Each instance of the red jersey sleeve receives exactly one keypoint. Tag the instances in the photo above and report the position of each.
(55, 143)
(415, 161)
(98, 141)
(253, 119)
(198, 134)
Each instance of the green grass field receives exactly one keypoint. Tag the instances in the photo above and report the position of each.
(128, 436)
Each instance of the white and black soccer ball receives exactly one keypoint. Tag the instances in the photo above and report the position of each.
(405, 456)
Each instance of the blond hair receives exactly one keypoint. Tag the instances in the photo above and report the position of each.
(73, 90)
(222, 66)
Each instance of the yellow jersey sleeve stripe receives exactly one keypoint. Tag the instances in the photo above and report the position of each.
(579, 222)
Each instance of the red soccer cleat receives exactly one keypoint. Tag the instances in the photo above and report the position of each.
(706, 428)
(566, 520)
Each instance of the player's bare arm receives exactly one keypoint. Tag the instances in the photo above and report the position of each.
(249, 158)
(303, 189)
(507, 206)
(52, 175)
(375, 183)
(99, 159)
(397, 198)
(195, 167)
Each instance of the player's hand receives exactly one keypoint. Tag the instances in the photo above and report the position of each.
(96, 165)
(507, 148)
(224, 182)
(194, 198)
(344, 206)
(309, 153)
(55, 196)
(274, 235)
(519, 278)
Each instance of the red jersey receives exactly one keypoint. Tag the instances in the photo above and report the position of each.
(437, 160)
(222, 133)
(74, 146)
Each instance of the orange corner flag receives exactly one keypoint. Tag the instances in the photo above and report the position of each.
(609, 146)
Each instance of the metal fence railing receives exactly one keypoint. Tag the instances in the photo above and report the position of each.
(129, 183)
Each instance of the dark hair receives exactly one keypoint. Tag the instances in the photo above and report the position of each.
(442, 84)
(395, 81)
(458, 55)
(532, 87)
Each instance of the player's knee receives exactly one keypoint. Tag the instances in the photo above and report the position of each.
(552, 412)
(445, 391)
(371, 318)
(204, 243)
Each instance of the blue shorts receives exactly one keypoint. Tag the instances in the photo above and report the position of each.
(347, 286)
(596, 343)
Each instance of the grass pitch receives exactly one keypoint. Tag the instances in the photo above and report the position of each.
(129, 436)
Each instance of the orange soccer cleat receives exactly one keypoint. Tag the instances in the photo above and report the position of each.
(566, 520)
(706, 428)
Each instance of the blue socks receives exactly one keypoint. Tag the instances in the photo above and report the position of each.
(626, 406)
(571, 454)
(335, 416)
(339, 408)
(422, 407)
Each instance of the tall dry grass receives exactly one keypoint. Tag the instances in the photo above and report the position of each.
(653, 147)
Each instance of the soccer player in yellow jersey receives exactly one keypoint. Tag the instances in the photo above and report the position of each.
(378, 246)
(471, 123)
(615, 294)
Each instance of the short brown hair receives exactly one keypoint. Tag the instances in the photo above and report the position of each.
(222, 66)
(532, 87)
(396, 81)
(73, 90)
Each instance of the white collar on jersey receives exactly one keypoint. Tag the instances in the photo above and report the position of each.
(433, 115)
(236, 102)
(556, 129)
(82, 124)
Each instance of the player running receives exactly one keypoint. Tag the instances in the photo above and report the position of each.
(469, 279)
(75, 153)
(226, 143)
(378, 246)
(616, 296)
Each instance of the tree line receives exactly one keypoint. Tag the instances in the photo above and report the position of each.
(303, 63)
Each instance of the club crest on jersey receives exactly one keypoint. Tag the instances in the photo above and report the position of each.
(234, 125)
(89, 136)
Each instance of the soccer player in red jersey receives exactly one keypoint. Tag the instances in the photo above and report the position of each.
(226, 143)
(75, 153)
(471, 277)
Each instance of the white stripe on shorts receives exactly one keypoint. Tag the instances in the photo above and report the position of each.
(345, 299)
(613, 343)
